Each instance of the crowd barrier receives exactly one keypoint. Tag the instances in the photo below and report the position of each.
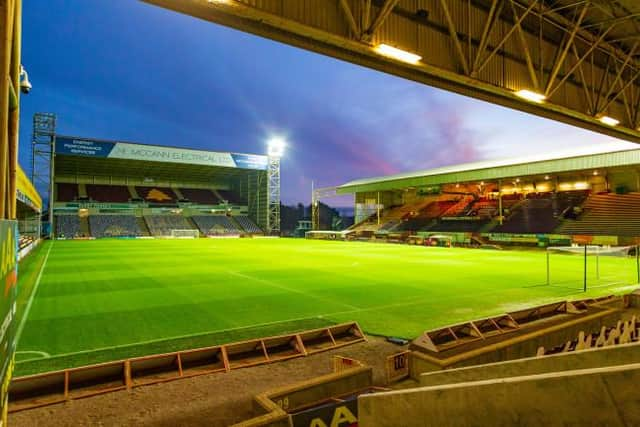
(55, 387)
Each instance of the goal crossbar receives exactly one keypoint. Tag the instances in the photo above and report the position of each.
(184, 234)
(595, 252)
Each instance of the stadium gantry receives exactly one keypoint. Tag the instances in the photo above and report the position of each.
(569, 60)
(120, 189)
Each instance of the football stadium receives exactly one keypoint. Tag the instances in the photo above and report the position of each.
(153, 285)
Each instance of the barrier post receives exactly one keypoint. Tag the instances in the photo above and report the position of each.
(585, 269)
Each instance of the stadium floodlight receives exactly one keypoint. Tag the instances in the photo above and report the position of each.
(399, 54)
(276, 147)
(532, 96)
(610, 121)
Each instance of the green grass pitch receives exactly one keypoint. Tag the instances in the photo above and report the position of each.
(108, 299)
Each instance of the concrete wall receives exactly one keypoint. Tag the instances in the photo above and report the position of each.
(604, 396)
(520, 346)
(272, 405)
(323, 387)
(586, 359)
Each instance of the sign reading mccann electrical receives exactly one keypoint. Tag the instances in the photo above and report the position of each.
(154, 153)
(8, 290)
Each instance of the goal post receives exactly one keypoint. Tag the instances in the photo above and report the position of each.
(184, 234)
(591, 266)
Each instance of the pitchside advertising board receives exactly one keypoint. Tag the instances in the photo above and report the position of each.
(153, 153)
(8, 277)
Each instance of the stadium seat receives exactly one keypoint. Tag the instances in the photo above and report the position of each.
(216, 225)
(114, 226)
(230, 197)
(156, 194)
(540, 212)
(25, 241)
(68, 226)
(248, 225)
(606, 214)
(108, 193)
(199, 195)
(162, 225)
(66, 192)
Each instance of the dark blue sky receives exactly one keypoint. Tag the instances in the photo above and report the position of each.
(125, 70)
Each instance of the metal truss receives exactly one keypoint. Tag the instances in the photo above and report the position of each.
(316, 195)
(583, 56)
(273, 192)
(43, 158)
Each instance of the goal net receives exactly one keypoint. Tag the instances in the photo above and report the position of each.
(591, 266)
(185, 234)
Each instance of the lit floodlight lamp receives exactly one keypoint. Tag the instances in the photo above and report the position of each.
(532, 96)
(609, 121)
(276, 147)
(399, 54)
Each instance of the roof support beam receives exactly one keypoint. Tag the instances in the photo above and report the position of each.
(387, 7)
(614, 97)
(496, 9)
(612, 21)
(332, 37)
(577, 64)
(621, 70)
(350, 19)
(583, 80)
(506, 37)
(601, 85)
(366, 14)
(454, 35)
(565, 50)
(525, 48)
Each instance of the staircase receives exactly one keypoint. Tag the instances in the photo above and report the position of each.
(142, 226)
(178, 193)
(193, 225)
(132, 192)
(85, 231)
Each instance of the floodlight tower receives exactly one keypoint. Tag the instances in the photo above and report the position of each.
(42, 159)
(275, 147)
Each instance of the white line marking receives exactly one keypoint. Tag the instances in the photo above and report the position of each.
(276, 322)
(292, 290)
(31, 298)
(414, 301)
(44, 354)
(177, 337)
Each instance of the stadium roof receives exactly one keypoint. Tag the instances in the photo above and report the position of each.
(92, 157)
(579, 57)
(586, 159)
(26, 193)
